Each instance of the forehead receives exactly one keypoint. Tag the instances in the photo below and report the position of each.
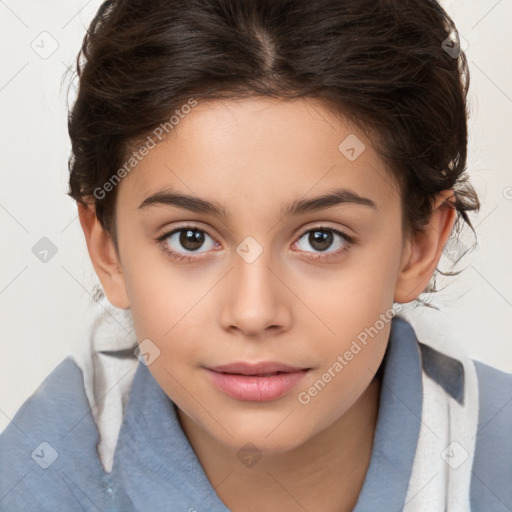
(261, 150)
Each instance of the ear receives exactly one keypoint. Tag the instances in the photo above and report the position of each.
(423, 251)
(103, 257)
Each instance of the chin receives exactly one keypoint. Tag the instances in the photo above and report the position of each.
(267, 439)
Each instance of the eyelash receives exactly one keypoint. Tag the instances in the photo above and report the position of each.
(349, 241)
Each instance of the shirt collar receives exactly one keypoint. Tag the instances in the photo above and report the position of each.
(398, 423)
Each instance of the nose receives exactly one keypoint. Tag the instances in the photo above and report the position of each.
(255, 299)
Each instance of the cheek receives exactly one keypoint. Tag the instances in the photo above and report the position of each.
(349, 369)
(173, 339)
(161, 293)
(167, 322)
(357, 308)
(345, 302)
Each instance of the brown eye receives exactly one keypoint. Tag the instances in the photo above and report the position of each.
(187, 240)
(191, 239)
(321, 239)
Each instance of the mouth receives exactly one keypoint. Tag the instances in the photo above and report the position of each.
(263, 369)
(256, 382)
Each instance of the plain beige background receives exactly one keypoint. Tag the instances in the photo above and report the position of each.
(43, 306)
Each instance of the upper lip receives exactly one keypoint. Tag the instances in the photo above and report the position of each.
(244, 368)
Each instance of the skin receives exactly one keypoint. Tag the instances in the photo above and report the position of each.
(255, 156)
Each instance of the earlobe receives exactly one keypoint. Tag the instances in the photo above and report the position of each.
(103, 257)
(423, 252)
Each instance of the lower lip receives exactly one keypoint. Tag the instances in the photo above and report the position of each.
(256, 389)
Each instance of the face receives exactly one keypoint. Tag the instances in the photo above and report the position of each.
(255, 268)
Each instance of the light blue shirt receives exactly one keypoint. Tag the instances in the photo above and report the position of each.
(49, 462)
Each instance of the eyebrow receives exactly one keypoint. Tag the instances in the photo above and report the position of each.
(170, 197)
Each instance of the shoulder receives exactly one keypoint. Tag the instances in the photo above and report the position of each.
(495, 402)
(48, 458)
(493, 382)
(492, 468)
(58, 394)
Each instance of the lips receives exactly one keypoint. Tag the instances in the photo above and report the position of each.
(256, 382)
(257, 369)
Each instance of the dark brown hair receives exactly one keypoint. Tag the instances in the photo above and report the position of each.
(393, 67)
